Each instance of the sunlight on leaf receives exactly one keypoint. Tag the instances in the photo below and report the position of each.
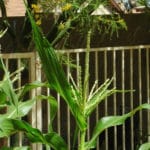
(16, 148)
(145, 146)
(22, 110)
(2, 32)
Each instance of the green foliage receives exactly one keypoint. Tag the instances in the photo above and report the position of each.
(54, 72)
(10, 126)
(22, 109)
(110, 121)
(13, 99)
(145, 146)
(6, 86)
(75, 14)
(79, 103)
(53, 108)
(28, 87)
(16, 148)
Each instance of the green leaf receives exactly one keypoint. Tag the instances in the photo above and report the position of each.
(110, 121)
(10, 126)
(145, 146)
(16, 148)
(53, 111)
(33, 134)
(3, 97)
(55, 141)
(7, 87)
(22, 148)
(28, 87)
(54, 72)
(6, 127)
(22, 110)
(53, 108)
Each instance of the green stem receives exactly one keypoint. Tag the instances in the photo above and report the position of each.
(82, 140)
(86, 73)
(85, 88)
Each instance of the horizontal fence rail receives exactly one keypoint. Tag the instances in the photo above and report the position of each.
(130, 68)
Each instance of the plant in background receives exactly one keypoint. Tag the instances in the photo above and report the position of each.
(74, 16)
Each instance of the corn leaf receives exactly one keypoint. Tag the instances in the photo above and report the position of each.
(53, 108)
(22, 109)
(28, 87)
(145, 146)
(54, 72)
(6, 128)
(3, 97)
(56, 141)
(6, 86)
(10, 126)
(111, 121)
(16, 148)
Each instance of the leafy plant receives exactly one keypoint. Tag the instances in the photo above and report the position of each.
(81, 103)
(12, 100)
(145, 146)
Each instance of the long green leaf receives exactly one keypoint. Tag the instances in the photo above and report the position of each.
(6, 86)
(33, 134)
(16, 148)
(28, 87)
(110, 121)
(55, 141)
(22, 110)
(3, 97)
(10, 126)
(6, 128)
(145, 146)
(54, 72)
(53, 108)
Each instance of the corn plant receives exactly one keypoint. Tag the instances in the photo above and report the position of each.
(81, 103)
(13, 102)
